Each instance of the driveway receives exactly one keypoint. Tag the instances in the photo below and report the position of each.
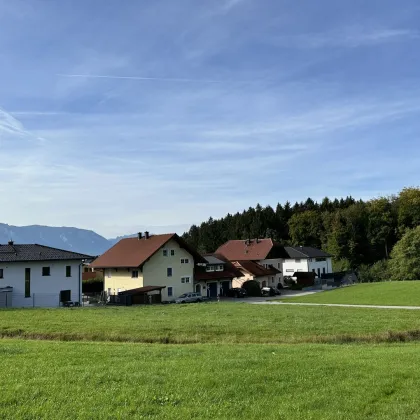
(263, 300)
(339, 305)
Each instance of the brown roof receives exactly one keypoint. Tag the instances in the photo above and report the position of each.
(255, 249)
(256, 269)
(134, 252)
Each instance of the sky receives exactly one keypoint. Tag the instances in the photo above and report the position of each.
(122, 116)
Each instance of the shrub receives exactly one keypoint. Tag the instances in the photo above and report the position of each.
(252, 288)
(92, 285)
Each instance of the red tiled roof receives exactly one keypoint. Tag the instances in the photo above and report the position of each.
(256, 269)
(240, 250)
(134, 252)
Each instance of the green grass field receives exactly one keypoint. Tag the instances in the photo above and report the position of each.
(401, 293)
(56, 380)
(210, 361)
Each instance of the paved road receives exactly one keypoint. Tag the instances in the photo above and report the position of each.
(268, 302)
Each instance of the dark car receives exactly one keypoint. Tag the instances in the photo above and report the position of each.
(270, 291)
(236, 292)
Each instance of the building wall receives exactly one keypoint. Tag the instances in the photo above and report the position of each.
(314, 265)
(290, 266)
(120, 279)
(239, 281)
(155, 271)
(44, 290)
(278, 264)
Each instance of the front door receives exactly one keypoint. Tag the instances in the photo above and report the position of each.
(212, 288)
(225, 287)
(197, 288)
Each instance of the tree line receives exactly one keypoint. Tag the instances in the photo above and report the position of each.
(357, 233)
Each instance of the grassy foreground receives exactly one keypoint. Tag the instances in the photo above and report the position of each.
(212, 323)
(57, 380)
(401, 293)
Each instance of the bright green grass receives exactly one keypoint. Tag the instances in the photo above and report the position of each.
(209, 323)
(401, 293)
(57, 380)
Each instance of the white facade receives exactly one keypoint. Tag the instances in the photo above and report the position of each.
(43, 290)
(278, 264)
(317, 265)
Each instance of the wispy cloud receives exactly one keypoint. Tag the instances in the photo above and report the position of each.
(348, 38)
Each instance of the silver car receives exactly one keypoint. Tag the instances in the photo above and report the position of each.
(189, 297)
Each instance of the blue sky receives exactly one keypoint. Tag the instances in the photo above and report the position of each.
(117, 116)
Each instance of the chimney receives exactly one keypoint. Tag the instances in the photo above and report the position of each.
(146, 235)
(140, 235)
(11, 243)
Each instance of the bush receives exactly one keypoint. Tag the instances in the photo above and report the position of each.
(374, 273)
(92, 285)
(252, 288)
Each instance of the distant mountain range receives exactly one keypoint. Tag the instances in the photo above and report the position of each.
(68, 238)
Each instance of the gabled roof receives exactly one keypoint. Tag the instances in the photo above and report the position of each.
(134, 252)
(251, 250)
(229, 272)
(305, 252)
(256, 269)
(35, 252)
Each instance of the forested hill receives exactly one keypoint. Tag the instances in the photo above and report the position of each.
(355, 232)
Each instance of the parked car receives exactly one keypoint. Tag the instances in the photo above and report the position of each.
(270, 291)
(189, 298)
(237, 292)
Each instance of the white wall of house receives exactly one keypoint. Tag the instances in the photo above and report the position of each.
(291, 266)
(44, 290)
(320, 267)
(276, 263)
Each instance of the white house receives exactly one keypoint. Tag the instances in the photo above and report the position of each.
(306, 259)
(36, 275)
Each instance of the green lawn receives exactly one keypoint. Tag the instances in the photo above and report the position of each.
(401, 293)
(208, 323)
(209, 361)
(57, 380)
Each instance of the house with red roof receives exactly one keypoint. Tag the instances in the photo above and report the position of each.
(257, 259)
(144, 264)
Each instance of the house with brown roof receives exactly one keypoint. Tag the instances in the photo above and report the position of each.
(251, 270)
(150, 261)
(216, 278)
(258, 259)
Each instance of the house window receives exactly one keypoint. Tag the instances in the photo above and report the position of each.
(221, 268)
(170, 291)
(108, 273)
(169, 272)
(27, 282)
(46, 271)
(297, 261)
(1, 273)
(68, 270)
(185, 261)
(185, 280)
(210, 268)
(172, 252)
(86, 270)
(135, 274)
(290, 270)
(165, 252)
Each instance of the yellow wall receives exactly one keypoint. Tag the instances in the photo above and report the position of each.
(155, 271)
(121, 279)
